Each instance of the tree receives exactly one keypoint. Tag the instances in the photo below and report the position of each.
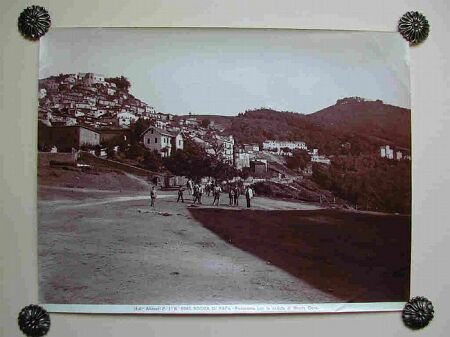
(137, 128)
(135, 151)
(321, 175)
(123, 145)
(122, 83)
(110, 153)
(299, 159)
(177, 163)
(368, 181)
(223, 171)
(114, 141)
(98, 150)
(246, 172)
(216, 145)
(205, 122)
(192, 161)
(152, 161)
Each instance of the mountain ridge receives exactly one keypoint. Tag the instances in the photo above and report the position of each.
(364, 124)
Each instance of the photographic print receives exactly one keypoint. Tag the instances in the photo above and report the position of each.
(223, 170)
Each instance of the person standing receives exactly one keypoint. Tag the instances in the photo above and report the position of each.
(209, 187)
(216, 193)
(196, 193)
(180, 194)
(200, 193)
(152, 196)
(237, 193)
(191, 186)
(248, 195)
(231, 195)
(188, 185)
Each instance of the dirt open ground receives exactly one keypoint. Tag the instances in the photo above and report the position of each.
(110, 247)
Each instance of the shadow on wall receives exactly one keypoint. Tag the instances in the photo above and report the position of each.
(356, 257)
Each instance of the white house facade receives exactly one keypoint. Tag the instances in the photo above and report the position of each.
(125, 118)
(279, 144)
(241, 160)
(320, 159)
(227, 148)
(164, 142)
(386, 152)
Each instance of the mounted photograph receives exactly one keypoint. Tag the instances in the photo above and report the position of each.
(198, 170)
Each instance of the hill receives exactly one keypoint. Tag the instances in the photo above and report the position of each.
(374, 118)
(363, 125)
(219, 121)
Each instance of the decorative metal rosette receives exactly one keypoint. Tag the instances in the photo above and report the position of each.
(414, 27)
(418, 312)
(34, 321)
(34, 21)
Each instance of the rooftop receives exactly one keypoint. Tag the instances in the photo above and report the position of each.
(161, 131)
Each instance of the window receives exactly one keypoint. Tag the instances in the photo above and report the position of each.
(151, 131)
(156, 140)
(148, 140)
(179, 142)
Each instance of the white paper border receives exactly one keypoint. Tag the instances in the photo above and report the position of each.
(226, 309)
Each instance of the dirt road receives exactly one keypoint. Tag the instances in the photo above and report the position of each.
(98, 247)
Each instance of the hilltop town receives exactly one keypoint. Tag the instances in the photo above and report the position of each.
(88, 111)
(103, 108)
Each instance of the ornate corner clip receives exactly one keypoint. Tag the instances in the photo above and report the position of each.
(34, 321)
(34, 22)
(418, 312)
(414, 27)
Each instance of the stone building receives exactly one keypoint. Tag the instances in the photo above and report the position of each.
(65, 138)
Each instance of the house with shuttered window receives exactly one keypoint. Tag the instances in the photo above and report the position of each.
(162, 141)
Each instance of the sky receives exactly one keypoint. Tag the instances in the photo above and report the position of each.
(228, 71)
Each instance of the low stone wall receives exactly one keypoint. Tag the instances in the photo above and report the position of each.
(89, 158)
(160, 179)
(57, 158)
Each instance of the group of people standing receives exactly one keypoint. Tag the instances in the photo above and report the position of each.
(234, 193)
(197, 190)
(197, 193)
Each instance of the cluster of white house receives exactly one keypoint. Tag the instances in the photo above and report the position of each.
(167, 140)
(387, 152)
(89, 99)
(285, 148)
(280, 145)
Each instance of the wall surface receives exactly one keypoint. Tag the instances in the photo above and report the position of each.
(430, 80)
